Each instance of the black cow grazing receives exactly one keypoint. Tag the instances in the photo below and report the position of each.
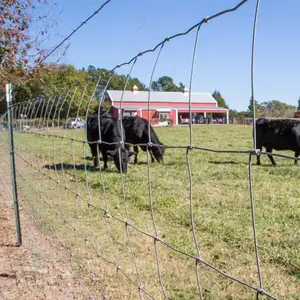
(110, 133)
(280, 134)
(136, 130)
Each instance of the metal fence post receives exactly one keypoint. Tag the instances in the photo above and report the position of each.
(12, 160)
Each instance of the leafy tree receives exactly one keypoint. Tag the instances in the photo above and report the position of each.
(275, 108)
(298, 108)
(272, 108)
(221, 102)
(20, 41)
(166, 84)
(250, 107)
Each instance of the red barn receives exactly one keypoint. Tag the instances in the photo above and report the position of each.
(168, 105)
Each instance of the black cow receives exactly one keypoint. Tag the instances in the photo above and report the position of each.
(136, 130)
(280, 134)
(110, 133)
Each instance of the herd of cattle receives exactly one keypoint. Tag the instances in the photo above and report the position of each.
(116, 138)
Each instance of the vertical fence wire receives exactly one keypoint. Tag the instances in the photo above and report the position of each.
(189, 166)
(150, 180)
(255, 151)
(121, 147)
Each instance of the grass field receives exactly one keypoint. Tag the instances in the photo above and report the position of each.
(221, 206)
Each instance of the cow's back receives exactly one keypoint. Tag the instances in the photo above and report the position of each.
(278, 134)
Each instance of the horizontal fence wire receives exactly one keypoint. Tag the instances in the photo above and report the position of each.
(48, 153)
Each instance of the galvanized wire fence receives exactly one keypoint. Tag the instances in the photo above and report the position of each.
(92, 212)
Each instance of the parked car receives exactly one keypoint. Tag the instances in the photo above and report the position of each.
(74, 123)
(184, 120)
(25, 127)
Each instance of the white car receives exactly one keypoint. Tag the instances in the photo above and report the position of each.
(75, 123)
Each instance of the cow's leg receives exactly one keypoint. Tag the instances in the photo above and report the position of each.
(136, 150)
(258, 157)
(94, 151)
(105, 159)
(296, 156)
(271, 156)
(152, 157)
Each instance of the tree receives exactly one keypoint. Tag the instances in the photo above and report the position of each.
(23, 30)
(272, 108)
(275, 108)
(221, 102)
(166, 84)
(250, 107)
(298, 108)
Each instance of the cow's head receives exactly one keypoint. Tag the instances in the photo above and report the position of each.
(158, 153)
(120, 157)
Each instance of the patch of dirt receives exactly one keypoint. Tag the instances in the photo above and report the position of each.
(40, 268)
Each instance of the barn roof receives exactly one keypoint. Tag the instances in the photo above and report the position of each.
(171, 97)
(167, 109)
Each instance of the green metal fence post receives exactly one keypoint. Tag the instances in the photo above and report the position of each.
(12, 161)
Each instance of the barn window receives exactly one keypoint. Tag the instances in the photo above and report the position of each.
(163, 115)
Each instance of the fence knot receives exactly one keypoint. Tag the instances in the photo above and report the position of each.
(261, 292)
(205, 20)
(156, 239)
(199, 260)
(150, 144)
(107, 215)
(141, 288)
(255, 152)
(191, 147)
(128, 223)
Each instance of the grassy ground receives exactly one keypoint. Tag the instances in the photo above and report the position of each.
(221, 206)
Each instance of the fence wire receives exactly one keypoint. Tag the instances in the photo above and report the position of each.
(62, 194)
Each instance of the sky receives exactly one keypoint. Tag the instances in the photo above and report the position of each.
(126, 27)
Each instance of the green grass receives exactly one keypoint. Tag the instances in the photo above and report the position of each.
(221, 210)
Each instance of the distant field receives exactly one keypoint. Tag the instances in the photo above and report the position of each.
(221, 206)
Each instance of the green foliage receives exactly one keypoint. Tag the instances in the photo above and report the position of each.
(221, 102)
(23, 32)
(72, 87)
(250, 107)
(275, 108)
(166, 84)
(272, 108)
(298, 108)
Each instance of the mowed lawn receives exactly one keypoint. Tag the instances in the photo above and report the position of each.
(221, 211)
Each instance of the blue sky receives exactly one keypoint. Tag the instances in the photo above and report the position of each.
(124, 28)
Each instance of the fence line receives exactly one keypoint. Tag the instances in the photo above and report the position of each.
(53, 139)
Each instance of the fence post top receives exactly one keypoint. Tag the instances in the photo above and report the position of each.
(8, 92)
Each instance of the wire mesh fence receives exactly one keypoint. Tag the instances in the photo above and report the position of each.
(143, 234)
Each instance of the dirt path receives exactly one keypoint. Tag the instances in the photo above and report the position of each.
(40, 268)
(32, 271)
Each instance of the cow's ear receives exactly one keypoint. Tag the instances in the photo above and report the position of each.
(111, 153)
(130, 153)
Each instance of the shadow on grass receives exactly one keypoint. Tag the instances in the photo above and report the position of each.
(227, 162)
(231, 162)
(70, 167)
(141, 163)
